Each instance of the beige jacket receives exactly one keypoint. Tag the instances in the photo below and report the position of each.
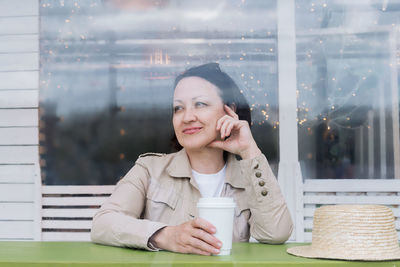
(159, 191)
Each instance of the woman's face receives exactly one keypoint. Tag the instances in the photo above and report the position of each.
(197, 107)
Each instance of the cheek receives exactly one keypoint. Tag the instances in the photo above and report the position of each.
(175, 122)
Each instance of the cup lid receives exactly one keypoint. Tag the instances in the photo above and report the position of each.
(216, 202)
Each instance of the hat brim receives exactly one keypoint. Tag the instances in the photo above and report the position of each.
(312, 252)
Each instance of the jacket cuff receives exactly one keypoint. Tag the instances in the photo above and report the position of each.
(260, 177)
(140, 240)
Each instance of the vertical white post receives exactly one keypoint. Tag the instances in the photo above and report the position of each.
(37, 233)
(370, 139)
(382, 130)
(361, 151)
(289, 175)
(395, 105)
(38, 178)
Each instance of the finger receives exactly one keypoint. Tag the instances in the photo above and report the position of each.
(229, 128)
(203, 246)
(216, 144)
(231, 112)
(223, 128)
(225, 124)
(206, 237)
(221, 121)
(203, 224)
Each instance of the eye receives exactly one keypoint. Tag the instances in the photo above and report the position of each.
(200, 104)
(177, 108)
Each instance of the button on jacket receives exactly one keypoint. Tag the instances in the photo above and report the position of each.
(159, 191)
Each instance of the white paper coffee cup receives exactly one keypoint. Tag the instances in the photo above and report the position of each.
(219, 211)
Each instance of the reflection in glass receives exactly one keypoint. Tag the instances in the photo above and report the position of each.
(348, 109)
(107, 71)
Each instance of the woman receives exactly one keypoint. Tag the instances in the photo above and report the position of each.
(154, 206)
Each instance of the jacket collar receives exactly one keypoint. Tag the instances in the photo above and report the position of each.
(179, 167)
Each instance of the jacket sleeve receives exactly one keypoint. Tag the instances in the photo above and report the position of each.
(270, 220)
(118, 222)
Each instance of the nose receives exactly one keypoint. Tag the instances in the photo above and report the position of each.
(189, 115)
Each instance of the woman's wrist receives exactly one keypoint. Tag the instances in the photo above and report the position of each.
(252, 152)
(156, 239)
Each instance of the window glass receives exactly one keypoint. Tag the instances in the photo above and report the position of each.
(348, 88)
(107, 70)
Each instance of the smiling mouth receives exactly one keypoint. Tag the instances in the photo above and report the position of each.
(192, 130)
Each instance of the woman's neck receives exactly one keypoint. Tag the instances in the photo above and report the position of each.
(207, 160)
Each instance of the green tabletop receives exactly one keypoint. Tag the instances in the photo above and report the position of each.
(15, 253)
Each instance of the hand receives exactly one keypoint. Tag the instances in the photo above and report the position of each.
(240, 141)
(194, 237)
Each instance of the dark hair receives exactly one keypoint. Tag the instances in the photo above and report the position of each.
(229, 91)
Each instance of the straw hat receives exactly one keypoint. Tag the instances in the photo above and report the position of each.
(352, 232)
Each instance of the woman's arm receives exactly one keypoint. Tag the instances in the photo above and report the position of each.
(270, 220)
(118, 222)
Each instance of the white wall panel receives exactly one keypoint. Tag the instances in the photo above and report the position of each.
(19, 136)
(19, 62)
(19, 154)
(17, 192)
(19, 80)
(19, 43)
(19, 117)
(19, 98)
(16, 230)
(19, 8)
(17, 211)
(66, 236)
(67, 224)
(19, 25)
(17, 173)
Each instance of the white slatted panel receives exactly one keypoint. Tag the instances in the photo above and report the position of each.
(77, 189)
(73, 201)
(19, 98)
(19, 62)
(17, 211)
(19, 154)
(18, 8)
(17, 173)
(320, 199)
(357, 191)
(351, 185)
(19, 136)
(19, 43)
(19, 25)
(19, 117)
(17, 193)
(19, 83)
(16, 230)
(71, 213)
(66, 236)
(67, 211)
(67, 224)
(19, 80)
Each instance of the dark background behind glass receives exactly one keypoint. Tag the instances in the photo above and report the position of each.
(107, 72)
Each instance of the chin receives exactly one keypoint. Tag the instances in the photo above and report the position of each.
(194, 145)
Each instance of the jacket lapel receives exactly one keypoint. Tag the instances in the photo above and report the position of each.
(179, 167)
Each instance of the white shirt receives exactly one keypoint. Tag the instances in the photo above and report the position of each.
(210, 185)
